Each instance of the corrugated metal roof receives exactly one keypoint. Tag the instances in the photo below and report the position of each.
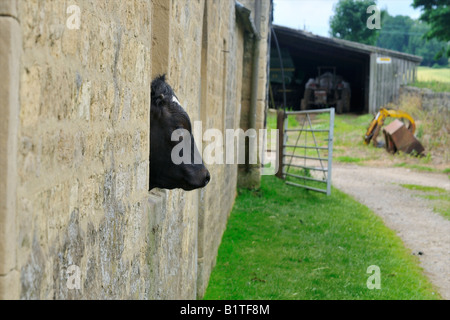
(345, 44)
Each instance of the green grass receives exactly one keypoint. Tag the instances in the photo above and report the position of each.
(349, 147)
(442, 204)
(423, 188)
(272, 121)
(435, 86)
(347, 159)
(415, 166)
(348, 144)
(418, 167)
(284, 242)
(439, 196)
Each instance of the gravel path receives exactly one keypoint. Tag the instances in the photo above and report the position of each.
(425, 233)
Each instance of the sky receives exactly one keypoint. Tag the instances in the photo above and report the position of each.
(314, 15)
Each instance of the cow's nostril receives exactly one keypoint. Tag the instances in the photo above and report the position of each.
(207, 178)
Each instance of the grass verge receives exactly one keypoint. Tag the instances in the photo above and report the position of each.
(439, 197)
(288, 243)
(434, 85)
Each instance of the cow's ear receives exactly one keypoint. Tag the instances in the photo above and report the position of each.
(157, 101)
(160, 101)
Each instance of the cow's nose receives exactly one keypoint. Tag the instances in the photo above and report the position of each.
(207, 178)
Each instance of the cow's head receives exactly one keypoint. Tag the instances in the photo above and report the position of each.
(166, 117)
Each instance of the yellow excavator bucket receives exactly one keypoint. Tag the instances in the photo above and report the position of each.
(397, 136)
(378, 121)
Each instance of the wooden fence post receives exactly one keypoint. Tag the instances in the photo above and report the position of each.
(280, 126)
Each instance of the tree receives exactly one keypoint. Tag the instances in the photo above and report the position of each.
(436, 13)
(401, 33)
(395, 33)
(349, 21)
(427, 49)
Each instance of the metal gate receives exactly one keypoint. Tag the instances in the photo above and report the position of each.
(307, 148)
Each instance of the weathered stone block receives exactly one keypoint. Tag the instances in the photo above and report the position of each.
(10, 42)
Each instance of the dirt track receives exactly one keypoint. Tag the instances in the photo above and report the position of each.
(424, 232)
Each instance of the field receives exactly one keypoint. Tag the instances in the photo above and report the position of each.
(436, 79)
(433, 74)
(287, 243)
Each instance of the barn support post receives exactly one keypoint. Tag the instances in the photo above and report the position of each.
(250, 175)
(373, 83)
(281, 116)
(255, 72)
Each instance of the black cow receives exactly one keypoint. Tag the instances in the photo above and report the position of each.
(166, 116)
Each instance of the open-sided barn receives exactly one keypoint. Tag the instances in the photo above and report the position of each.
(375, 74)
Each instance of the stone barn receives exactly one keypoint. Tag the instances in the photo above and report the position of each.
(77, 219)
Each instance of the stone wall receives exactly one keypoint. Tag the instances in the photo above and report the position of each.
(76, 218)
(430, 100)
(10, 47)
(82, 196)
(249, 175)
